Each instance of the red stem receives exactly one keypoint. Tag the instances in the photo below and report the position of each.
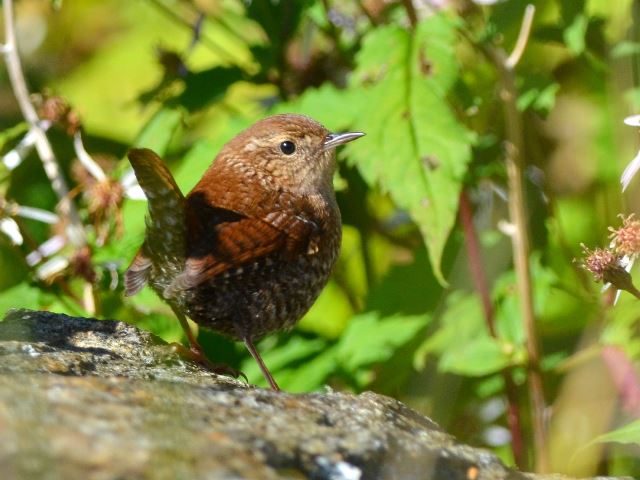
(482, 286)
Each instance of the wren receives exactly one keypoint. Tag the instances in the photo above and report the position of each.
(249, 249)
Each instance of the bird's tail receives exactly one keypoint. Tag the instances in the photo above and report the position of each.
(165, 232)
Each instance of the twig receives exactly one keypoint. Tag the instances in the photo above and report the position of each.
(475, 260)
(75, 229)
(86, 160)
(367, 13)
(482, 286)
(35, 214)
(411, 12)
(514, 149)
(523, 37)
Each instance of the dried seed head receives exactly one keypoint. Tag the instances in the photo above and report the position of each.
(81, 265)
(56, 110)
(103, 198)
(606, 266)
(600, 262)
(626, 239)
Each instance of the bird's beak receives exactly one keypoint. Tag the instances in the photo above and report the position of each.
(335, 139)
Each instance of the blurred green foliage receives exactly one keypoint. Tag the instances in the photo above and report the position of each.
(402, 314)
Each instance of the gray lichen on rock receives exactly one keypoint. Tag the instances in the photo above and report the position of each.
(91, 399)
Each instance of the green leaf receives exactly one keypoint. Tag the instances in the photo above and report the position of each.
(201, 155)
(461, 322)
(624, 49)
(369, 339)
(208, 86)
(406, 288)
(296, 349)
(329, 314)
(194, 163)
(538, 93)
(415, 148)
(12, 133)
(481, 356)
(279, 21)
(630, 434)
(310, 375)
(22, 295)
(335, 109)
(574, 35)
(159, 131)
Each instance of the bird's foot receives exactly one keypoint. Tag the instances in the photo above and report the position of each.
(198, 356)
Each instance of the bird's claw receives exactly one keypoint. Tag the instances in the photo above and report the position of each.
(198, 356)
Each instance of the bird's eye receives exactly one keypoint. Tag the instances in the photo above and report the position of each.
(288, 147)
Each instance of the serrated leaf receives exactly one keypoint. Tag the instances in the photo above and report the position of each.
(369, 339)
(415, 148)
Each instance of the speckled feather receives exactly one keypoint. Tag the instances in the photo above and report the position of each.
(260, 231)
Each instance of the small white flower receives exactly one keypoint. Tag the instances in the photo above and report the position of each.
(10, 228)
(633, 166)
(52, 267)
(48, 248)
(632, 121)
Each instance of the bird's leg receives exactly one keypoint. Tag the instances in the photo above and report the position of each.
(256, 356)
(196, 353)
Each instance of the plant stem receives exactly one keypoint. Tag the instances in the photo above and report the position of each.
(75, 230)
(475, 261)
(411, 12)
(521, 250)
(482, 286)
(514, 149)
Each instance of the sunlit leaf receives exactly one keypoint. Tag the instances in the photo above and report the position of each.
(22, 295)
(574, 34)
(481, 356)
(12, 133)
(461, 322)
(369, 339)
(630, 433)
(415, 147)
(336, 109)
(296, 349)
(312, 374)
(207, 86)
(158, 132)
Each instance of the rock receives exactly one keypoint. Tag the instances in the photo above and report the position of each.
(90, 399)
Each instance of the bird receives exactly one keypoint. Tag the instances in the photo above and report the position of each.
(248, 250)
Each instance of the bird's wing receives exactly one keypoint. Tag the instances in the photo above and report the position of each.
(233, 240)
(165, 232)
